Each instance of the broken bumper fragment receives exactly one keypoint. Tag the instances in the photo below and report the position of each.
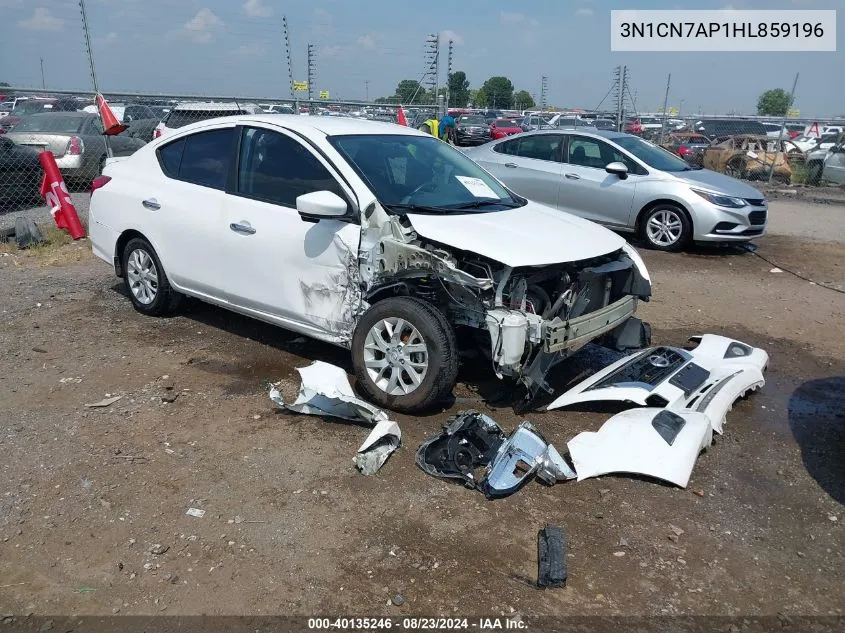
(707, 379)
(650, 441)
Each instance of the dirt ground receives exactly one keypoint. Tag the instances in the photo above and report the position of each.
(93, 510)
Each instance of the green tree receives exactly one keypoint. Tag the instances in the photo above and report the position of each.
(774, 102)
(458, 89)
(498, 92)
(523, 100)
(407, 88)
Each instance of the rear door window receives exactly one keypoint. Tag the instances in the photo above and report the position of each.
(206, 158)
(276, 168)
(170, 157)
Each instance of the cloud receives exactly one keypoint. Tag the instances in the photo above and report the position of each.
(584, 12)
(534, 22)
(255, 9)
(252, 49)
(331, 52)
(368, 41)
(42, 20)
(202, 26)
(109, 39)
(511, 18)
(447, 35)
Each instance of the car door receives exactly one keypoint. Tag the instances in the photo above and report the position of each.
(184, 204)
(834, 163)
(279, 264)
(588, 190)
(530, 165)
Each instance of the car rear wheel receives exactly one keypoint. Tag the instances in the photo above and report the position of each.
(145, 280)
(814, 173)
(666, 227)
(735, 168)
(404, 355)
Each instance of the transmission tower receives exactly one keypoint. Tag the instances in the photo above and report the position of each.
(312, 64)
(544, 89)
(287, 54)
(449, 74)
(432, 61)
(620, 86)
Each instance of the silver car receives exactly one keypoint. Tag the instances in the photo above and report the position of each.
(76, 140)
(827, 164)
(627, 184)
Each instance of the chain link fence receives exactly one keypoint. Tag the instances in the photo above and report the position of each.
(67, 123)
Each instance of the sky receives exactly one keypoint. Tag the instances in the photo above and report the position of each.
(364, 48)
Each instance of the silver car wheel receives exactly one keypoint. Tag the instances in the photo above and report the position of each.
(143, 276)
(396, 356)
(665, 227)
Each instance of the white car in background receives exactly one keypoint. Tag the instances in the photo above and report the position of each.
(186, 113)
(371, 236)
(810, 143)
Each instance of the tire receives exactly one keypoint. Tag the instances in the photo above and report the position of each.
(149, 292)
(375, 361)
(666, 227)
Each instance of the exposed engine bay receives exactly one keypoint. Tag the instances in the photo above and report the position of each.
(535, 316)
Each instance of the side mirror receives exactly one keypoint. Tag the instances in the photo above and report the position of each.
(127, 119)
(320, 205)
(618, 169)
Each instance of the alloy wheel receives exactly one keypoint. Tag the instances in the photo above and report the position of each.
(665, 227)
(143, 276)
(395, 356)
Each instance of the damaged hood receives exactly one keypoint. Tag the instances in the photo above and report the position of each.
(533, 235)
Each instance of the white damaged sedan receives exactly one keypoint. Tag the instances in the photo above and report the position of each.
(371, 236)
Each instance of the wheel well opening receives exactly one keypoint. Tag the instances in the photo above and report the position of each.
(122, 241)
(656, 203)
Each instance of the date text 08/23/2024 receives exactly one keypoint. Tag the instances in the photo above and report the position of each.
(417, 624)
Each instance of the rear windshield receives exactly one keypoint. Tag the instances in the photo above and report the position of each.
(694, 140)
(180, 118)
(729, 128)
(32, 106)
(51, 124)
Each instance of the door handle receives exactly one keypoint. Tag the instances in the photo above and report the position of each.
(152, 203)
(511, 165)
(573, 176)
(242, 227)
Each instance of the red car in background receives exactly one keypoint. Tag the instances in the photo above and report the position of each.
(500, 128)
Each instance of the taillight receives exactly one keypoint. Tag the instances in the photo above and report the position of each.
(685, 151)
(157, 133)
(75, 146)
(99, 181)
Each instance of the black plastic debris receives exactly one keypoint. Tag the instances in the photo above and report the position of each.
(469, 441)
(551, 557)
(668, 425)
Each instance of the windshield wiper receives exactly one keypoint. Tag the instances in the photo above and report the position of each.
(478, 204)
(417, 208)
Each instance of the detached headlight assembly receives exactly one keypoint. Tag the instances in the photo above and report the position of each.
(721, 201)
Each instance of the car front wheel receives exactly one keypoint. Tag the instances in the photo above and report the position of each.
(404, 355)
(666, 228)
(145, 280)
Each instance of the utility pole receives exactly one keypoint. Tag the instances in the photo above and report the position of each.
(88, 45)
(665, 105)
(366, 90)
(782, 126)
(288, 55)
(544, 89)
(43, 83)
(109, 152)
(449, 75)
(311, 72)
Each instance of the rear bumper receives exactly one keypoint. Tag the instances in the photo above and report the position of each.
(560, 335)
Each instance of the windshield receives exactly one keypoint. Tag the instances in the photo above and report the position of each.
(421, 174)
(51, 123)
(472, 120)
(31, 106)
(652, 155)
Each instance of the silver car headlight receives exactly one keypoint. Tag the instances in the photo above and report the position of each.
(721, 201)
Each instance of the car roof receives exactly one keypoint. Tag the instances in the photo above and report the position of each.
(586, 130)
(329, 126)
(212, 106)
